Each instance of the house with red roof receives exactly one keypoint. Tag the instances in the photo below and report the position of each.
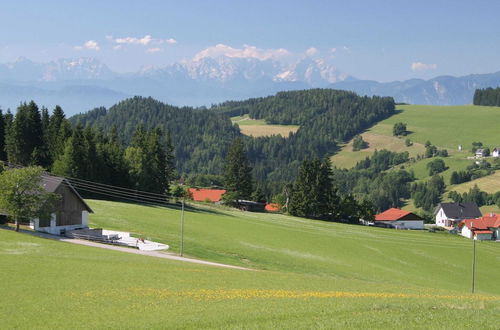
(484, 228)
(206, 195)
(400, 219)
(272, 207)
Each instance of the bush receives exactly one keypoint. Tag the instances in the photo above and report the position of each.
(399, 129)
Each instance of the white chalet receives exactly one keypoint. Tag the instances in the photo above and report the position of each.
(450, 214)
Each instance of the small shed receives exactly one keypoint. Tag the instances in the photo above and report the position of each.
(251, 206)
(399, 219)
(71, 211)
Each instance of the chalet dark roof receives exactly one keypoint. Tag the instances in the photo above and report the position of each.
(51, 183)
(468, 210)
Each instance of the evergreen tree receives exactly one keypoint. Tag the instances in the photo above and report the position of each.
(3, 155)
(237, 172)
(25, 142)
(73, 162)
(313, 194)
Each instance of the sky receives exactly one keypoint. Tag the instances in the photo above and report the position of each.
(377, 40)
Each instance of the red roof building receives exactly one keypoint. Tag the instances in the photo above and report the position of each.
(485, 228)
(272, 207)
(399, 219)
(206, 195)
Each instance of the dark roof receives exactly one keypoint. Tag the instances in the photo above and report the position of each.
(51, 183)
(466, 210)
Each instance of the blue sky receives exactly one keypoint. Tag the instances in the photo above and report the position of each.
(379, 40)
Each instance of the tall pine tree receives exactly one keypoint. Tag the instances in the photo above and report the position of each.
(237, 172)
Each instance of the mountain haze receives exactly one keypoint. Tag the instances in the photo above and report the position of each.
(84, 83)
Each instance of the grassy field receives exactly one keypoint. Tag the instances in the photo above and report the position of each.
(446, 126)
(256, 128)
(310, 274)
(490, 184)
(347, 158)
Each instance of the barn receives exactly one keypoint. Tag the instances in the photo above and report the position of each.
(71, 211)
(400, 219)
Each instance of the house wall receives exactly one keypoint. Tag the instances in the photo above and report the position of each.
(402, 224)
(482, 237)
(442, 220)
(466, 232)
(69, 208)
(415, 224)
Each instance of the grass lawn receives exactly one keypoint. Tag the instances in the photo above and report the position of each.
(259, 127)
(347, 158)
(447, 126)
(310, 274)
(489, 183)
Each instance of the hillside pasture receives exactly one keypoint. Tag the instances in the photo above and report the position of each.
(347, 158)
(446, 126)
(308, 274)
(57, 285)
(259, 127)
(489, 184)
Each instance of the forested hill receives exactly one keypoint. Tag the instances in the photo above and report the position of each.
(201, 137)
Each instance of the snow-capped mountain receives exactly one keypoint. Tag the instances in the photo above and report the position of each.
(84, 68)
(83, 83)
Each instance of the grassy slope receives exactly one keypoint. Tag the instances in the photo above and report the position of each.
(446, 127)
(256, 128)
(319, 275)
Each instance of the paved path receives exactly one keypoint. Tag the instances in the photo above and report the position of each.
(156, 254)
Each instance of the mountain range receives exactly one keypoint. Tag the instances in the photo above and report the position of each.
(85, 83)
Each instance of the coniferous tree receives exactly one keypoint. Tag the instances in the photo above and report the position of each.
(313, 194)
(25, 136)
(3, 155)
(237, 172)
(73, 162)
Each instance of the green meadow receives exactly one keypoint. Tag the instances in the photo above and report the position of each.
(307, 274)
(446, 127)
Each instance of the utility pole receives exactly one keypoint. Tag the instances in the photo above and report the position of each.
(182, 226)
(473, 258)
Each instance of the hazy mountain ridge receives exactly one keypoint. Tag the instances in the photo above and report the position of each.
(84, 83)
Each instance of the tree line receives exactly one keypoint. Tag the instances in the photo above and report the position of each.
(32, 136)
(487, 96)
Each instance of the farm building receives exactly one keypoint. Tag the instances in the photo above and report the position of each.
(480, 153)
(71, 211)
(251, 206)
(206, 195)
(400, 219)
(450, 214)
(484, 228)
(272, 207)
(496, 152)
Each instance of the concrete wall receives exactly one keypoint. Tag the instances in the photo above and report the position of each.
(54, 229)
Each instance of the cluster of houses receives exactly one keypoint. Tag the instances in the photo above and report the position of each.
(464, 218)
(215, 196)
(480, 153)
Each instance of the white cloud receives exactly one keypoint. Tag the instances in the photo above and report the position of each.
(117, 47)
(311, 51)
(153, 50)
(146, 40)
(91, 44)
(245, 52)
(419, 66)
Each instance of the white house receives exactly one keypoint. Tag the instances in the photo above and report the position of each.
(484, 228)
(496, 152)
(400, 219)
(480, 153)
(450, 214)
